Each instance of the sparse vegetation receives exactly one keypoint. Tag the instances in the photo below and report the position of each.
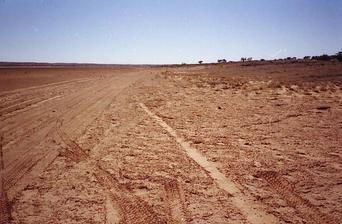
(221, 61)
(326, 57)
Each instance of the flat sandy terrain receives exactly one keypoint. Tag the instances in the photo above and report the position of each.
(254, 142)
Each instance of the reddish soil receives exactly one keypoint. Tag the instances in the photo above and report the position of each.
(231, 143)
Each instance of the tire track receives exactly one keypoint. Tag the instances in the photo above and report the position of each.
(18, 91)
(19, 169)
(73, 150)
(34, 157)
(41, 164)
(25, 168)
(112, 212)
(25, 105)
(27, 146)
(47, 125)
(36, 113)
(20, 100)
(5, 212)
(174, 202)
(249, 208)
(30, 159)
(47, 121)
(132, 209)
(44, 94)
(286, 190)
(31, 149)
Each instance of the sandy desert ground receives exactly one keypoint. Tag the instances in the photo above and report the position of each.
(253, 142)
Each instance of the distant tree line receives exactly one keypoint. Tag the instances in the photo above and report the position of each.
(325, 57)
(246, 59)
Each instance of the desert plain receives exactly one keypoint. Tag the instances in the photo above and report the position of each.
(251, 142)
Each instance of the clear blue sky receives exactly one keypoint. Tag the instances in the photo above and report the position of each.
(168, 31)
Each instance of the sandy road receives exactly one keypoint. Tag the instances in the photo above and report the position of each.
(132, 147)
(29, 115)
(83, 152)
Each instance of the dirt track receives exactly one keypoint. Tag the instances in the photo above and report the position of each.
(205, 144)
